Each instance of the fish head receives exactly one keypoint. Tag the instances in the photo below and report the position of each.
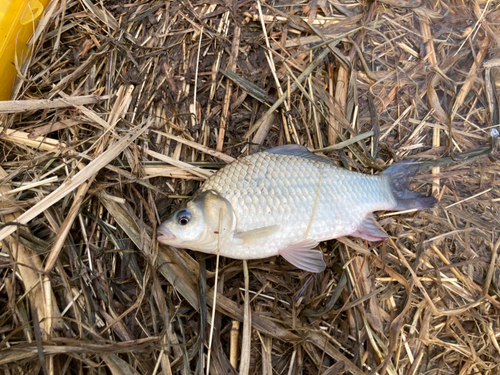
(203, 224)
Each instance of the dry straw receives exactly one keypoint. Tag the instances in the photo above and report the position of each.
(125, 107)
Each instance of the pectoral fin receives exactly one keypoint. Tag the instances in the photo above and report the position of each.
(253, 235)
(301, 256)
(369, 230)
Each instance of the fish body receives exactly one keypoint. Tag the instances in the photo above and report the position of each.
(285, 201)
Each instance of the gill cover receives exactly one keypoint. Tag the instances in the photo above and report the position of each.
(204, 223)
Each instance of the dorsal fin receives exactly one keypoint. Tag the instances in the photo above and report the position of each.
(300, 151)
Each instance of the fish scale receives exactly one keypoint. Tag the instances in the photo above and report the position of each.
(285, 201)
(266, 189)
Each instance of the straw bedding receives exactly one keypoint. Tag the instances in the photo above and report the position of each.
(125, 107)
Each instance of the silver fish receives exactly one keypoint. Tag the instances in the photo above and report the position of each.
(284, 201)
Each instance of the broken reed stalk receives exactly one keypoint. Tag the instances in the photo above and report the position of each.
(229, 88)
(29, 266)
(272, 68)
(214, 302)
(247, 325)
(431, 55)
(18, 106)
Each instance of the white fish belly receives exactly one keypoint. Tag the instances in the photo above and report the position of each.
(308, 199)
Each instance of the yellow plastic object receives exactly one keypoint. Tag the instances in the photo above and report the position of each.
(17, 24)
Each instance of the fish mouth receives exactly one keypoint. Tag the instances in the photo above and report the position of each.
(165, 235)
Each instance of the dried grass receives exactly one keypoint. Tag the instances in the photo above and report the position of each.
(125, 107)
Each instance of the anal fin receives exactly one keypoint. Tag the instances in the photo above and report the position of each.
(369, 230)
(302, 256)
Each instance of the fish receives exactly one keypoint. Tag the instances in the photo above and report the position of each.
(285, 201)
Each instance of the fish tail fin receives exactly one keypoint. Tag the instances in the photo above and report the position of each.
(400, 176)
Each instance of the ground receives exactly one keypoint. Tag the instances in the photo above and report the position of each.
(126, 107)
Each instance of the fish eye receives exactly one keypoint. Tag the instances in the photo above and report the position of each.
(183, 217)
